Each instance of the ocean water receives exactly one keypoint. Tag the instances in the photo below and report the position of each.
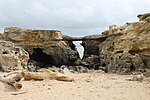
(79, 48)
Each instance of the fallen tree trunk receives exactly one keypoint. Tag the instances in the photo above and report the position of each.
(14, 78)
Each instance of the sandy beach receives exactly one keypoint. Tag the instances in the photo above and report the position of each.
(87, 86)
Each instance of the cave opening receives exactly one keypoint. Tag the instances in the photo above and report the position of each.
(40, 58)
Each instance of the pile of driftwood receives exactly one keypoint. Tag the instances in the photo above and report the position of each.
(14, 78)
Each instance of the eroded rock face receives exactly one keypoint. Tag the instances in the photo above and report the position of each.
(121, 49)
(144, 17)
(91, 50)
(69, 42)
(1, 36)
(91, 46)
(12, 57)
(44, 46)
(127, 48)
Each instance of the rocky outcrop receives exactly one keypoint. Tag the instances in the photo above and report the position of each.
(31, 37)
(144, 17)
(69, 41)
(121, 49)
(127, 48)
(91, 44)
(44, 46)
(12, 57)
(1, 36)
(91, 50)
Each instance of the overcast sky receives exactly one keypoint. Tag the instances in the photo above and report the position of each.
(73, 17)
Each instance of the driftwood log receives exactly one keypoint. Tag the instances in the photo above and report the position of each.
(47, 74)
(14, 78)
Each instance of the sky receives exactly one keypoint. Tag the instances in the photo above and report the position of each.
(72, 17)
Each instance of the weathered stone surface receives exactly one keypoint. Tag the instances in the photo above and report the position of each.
(44, 46)
(91, 47)
(121, 49)
(1, 36)
(31, 37)
(93, 62)
(91, 50)
(127, 48)
(69, 41)
(12, 57)
(144, 17)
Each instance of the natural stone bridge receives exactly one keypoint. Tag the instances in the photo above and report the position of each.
(50, 47)
(92, 37)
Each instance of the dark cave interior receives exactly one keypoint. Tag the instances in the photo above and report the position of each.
(42, 58)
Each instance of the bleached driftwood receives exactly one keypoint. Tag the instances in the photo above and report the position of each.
(14, 78)
(47, 74)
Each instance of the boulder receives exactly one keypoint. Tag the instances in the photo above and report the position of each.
(12, 57)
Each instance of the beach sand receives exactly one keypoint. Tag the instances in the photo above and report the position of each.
(87, 86)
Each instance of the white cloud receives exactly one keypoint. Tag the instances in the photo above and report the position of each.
(73, 17)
